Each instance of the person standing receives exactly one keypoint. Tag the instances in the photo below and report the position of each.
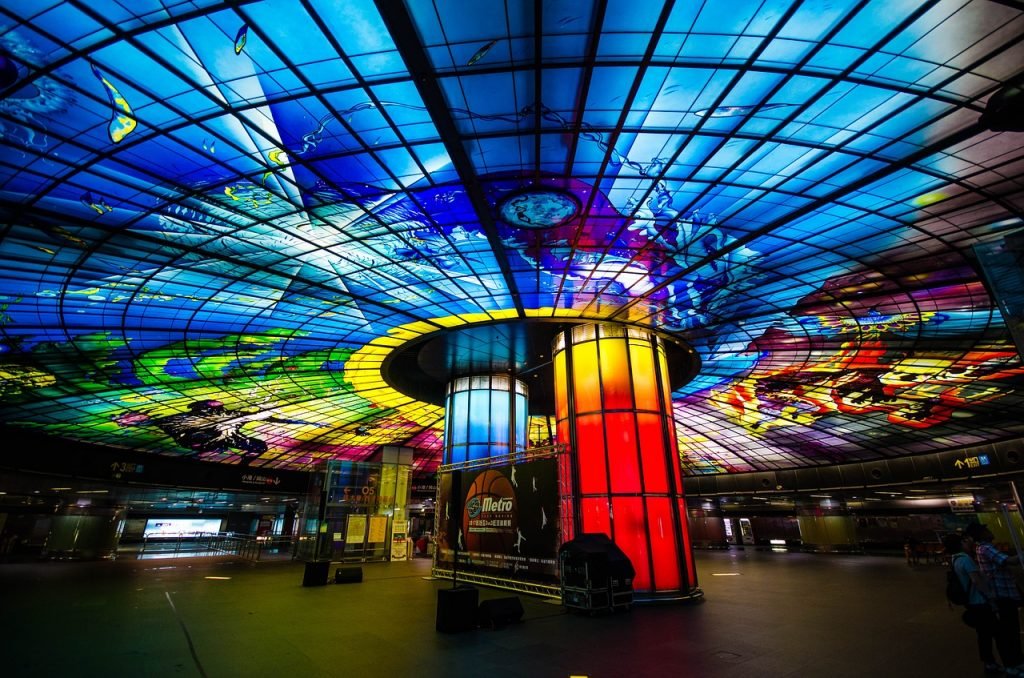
(913, 548)
(995, 566)
(980, 614)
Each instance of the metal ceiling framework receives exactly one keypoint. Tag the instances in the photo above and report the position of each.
(219, 217)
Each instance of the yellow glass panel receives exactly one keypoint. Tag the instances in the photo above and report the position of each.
(586, 380)
(645, 388)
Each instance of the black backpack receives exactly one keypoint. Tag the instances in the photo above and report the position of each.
(956, 594)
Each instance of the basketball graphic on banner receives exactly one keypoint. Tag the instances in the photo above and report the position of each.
(490, 514)
(504, 521)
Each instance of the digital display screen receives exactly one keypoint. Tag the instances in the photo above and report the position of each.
(177, 527)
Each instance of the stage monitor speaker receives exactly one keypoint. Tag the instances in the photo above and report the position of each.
(316, 573)
(1004, 111)
(348, 575)
(456, 609)
(497, 612)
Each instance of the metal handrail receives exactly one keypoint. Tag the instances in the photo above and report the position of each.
(246, 546)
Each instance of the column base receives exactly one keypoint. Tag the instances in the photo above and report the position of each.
(695, 595)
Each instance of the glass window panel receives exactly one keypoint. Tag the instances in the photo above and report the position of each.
(586, 377)
(594, 515)
(590, 451)
(623, 456)
(631, 535)
(664, 545)
(615, 375)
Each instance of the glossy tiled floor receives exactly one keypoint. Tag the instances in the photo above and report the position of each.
(776, 615)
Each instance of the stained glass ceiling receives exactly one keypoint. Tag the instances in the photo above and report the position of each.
(218, 218)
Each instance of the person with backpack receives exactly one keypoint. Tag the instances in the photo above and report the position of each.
(995, 566)
(967, 587)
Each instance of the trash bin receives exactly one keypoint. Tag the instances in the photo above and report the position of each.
(595, 574)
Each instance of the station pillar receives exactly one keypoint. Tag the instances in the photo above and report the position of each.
(622, 472)
(485, 416)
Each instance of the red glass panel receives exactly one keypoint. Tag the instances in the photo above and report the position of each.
(673, 458)
(623, 459)
(565, 473)
(652, 448)
(590, 454)
(567, 519)
(631, 536)
(594, 516)
(664, 547)
(691, 566)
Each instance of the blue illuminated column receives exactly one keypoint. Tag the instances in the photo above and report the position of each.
(483, 418)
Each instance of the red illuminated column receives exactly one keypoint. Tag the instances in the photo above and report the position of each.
(614, 411)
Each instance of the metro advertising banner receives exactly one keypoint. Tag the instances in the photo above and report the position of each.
(509, 520)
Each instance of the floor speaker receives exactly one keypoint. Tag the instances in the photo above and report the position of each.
(316, 573)
(497, 612)
(348, 575)
(456, 609)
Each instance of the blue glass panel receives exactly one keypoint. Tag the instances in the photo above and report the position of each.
(499, 420)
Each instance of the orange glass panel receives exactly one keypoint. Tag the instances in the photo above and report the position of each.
(666, 392)
(590, 454)
(664, 548)
(623, 457)
(615, 375)
(652, 447)
(586, 380)
(562, 433)
(631, 536)
(561, 389)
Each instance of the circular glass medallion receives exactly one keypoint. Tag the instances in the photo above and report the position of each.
(539, 209)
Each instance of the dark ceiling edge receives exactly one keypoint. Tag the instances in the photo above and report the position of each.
(1004, 459)
(681, 372)
(57, 456)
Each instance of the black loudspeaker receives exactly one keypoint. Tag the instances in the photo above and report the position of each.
(1004, 111)
(316, 573)
(456, 609)
(498, 612)
(348, 575)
